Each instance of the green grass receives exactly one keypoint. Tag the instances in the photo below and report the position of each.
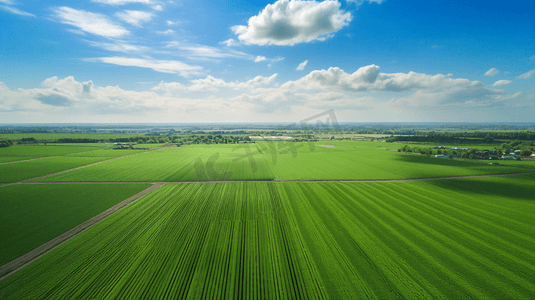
(15, 153)
(348, 160)
(453, 239)
(31, 215)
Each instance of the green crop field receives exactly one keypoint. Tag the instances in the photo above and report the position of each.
(289, 161)
(456, 239)
(30, 169)
(15, 153)
(148, 145)
(31, 215)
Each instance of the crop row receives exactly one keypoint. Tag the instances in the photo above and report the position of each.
(256, 240)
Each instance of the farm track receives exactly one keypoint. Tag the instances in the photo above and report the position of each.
(19, 263)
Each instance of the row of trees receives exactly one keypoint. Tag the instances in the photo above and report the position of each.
(5, 143)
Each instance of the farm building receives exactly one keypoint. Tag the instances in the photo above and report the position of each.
(441, 156)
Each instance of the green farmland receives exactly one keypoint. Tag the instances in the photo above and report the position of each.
(288, 161)
(454, 239)
(16, 153)
(25, 209)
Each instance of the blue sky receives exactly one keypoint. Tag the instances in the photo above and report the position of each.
(246, 61)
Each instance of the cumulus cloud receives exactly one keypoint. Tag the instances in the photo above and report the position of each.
(168, 31)
(291, 22)
(260, 58)
(527, 75)
(427, 90)
(502, 82)
(14, 10)
(164, 66)
(122, 2)
(491, 72)
(134, 17)
(302, 66)
(94, 23)
(171, 23)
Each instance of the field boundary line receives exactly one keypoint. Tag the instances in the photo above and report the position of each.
(21, 262)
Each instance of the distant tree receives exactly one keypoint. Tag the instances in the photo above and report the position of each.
(488, 139)
(525, 153)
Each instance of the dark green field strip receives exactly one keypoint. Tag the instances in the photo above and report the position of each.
(266, 240)
(31, 215)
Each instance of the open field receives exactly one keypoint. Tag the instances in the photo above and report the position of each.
(148, 145)
(16, 153)
(271, 160)
(31, 215)
(456, 239)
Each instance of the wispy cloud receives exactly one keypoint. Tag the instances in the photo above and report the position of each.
(291, 22)
(230, 43)
(302, 66)
(260, 58)
(134, 17)
(94, 23)
(527, 75)
(164, 66)
(119, 47)
(168, 31)
(491, 72)
(502, 82)
(201, 52)
(171, 23)
(122, 2)
(8, 2)
(15, 10)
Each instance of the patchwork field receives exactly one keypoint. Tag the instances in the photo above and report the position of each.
(456, 239)
(31, 215)
(271, 160)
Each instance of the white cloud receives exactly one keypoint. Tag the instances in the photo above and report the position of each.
(427, 90)
(89, 22)
(8, 2)
(291, 22)
(122, 2)
(502, 82)
(260, 58)
(171, 23)
(211, 83)
(168, 31)
(15, 10)
(134, 17)
(119, 47)
(302, 66)
(157, 7)
(201, 52)
(164, 66)
(527, 75)
(230, 43)
(491, 72)
(359, 2)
